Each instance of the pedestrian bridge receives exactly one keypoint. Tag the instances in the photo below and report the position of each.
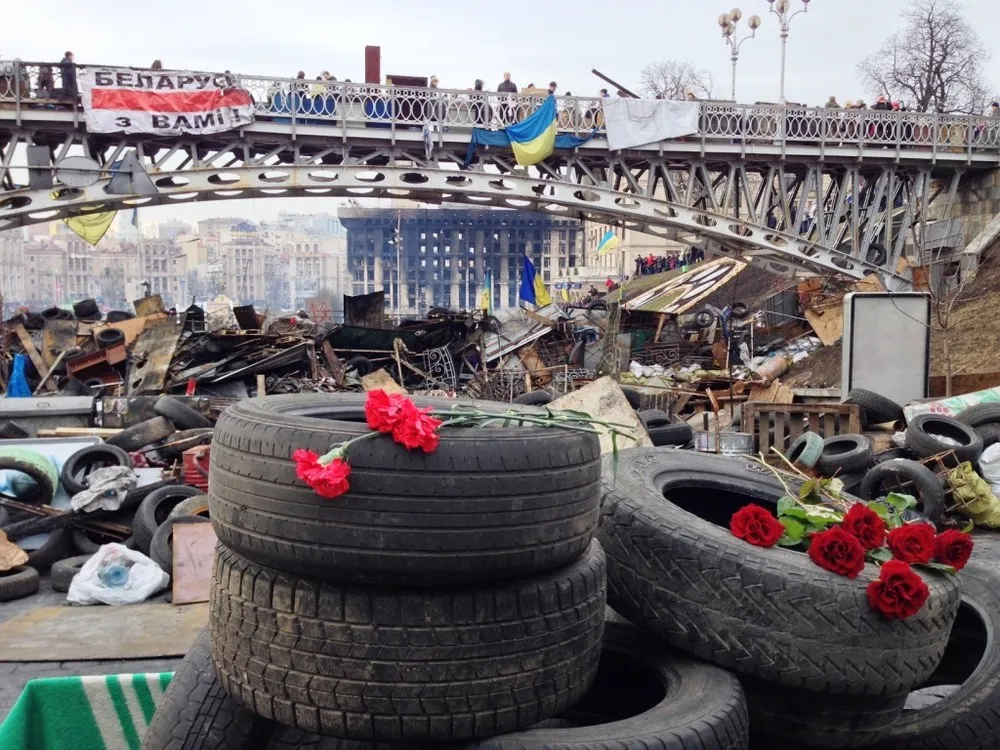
(801, 189)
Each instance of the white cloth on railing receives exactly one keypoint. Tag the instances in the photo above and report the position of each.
(638, 122)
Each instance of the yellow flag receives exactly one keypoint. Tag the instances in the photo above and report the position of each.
(542, 296)
(91, 227)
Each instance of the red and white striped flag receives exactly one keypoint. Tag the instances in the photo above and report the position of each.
(161, 102)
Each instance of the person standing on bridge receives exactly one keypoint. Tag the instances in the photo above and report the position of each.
(67, 69)
(506, 111)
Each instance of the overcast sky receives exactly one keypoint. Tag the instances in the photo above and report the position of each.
(537, 41)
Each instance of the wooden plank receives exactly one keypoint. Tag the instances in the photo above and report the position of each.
(828, 324)
(814, 423)
(854, 420)
(261, 384)
(333, 361)
(194, 548)
(152, 354)
(29, 349)
(45, 380)
(58, 337)
(780, 430)
(962, 384)
(150, 305)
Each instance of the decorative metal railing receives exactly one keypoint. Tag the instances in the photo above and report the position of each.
(28, 87)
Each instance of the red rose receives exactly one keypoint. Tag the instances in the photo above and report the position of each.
(417, 429)
(898, 592)
(837, 551)
(757, 526)
(912, 543)
(383, 411)
(953, 548)
(326, 480)
(865, 525)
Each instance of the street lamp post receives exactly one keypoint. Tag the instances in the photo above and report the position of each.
(728, 22)
(781, 9)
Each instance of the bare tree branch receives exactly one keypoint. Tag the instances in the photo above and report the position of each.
(673, 79)
(935, 64)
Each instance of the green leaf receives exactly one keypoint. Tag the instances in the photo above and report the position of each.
(880, 555)
(807, 489)
(787, 541)
(796, 512)
(785, 504)
(881, 510)
(968, 529)
(901, 502)
(793, 529)
(940, 568)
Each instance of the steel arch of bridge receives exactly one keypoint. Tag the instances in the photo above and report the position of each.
(781, 252)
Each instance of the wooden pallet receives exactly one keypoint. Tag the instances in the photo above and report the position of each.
(778, 425)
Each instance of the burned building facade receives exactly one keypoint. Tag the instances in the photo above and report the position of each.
(440, 257)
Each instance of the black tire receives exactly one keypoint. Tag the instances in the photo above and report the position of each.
(968, 718)
(135, 496)
(845, 454)
(361, 365)
(489, 503)
(18, 583)
(64, 571)
(668, 569)
(109, 337)
(980, 414)
(892, 454)
(180, 414)
(671, 434)
(633, 397)
(196, 505)
(140, 435)
(654, 418)
(57, 547)
(117, 316)
(704, 318)
(534, 398)
(926, 487)
(154, 510)
(161, 549)
(183, 440)
(922, 432)
(78, 466)
(875, 408)
(435, 665)
(86, 309)
(644, 696)
(197, 714)
(989, 433)
(806, 450)
(44, 478)
(87, 542)
(803, 719)
(52, 313)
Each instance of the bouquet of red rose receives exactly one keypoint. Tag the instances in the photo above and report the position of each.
(396, 415)
(842, 542)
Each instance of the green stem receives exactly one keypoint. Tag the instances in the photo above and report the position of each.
(340, 450)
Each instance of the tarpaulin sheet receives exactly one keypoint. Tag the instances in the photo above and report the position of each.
(639, 122)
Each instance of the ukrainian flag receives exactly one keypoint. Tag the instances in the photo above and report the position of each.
(532, 287)
(608, 243)
(534, 139)
(486, 298)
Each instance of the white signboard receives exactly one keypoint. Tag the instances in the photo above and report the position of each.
(161, 102)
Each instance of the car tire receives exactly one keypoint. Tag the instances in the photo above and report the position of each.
(18, 583)
(397, 665)
(154, 510)
(196, 505)
(671, 434)
(140, 435)
(86, 309)
(78, 466)
(687, 579)
(534, 398)
(633, 397)
(161, 549)
(875, 408)
(488, 504)
(64, 571)
(182, 416)
(806, 450)
(58, 546)
(845, 454)
(989, 432)
(109, 337)
(922, 432)
(980, 414)
(967, 718)
(927, 488)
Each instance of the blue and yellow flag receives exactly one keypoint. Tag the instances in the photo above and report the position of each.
(532, 287)
(486, 298)
(534, 139)
(91, 228)
(608, 243)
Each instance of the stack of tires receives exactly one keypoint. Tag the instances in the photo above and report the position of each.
(819, 666)
(446, 597)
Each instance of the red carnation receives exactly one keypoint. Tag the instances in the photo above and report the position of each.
(837, 551)
(953, 548)
(383, 411)
(912, 543)
(757, 526)
(865, 525)
(417, 429)
(326, 480)
(898, 592)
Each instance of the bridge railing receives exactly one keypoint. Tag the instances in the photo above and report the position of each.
(33, 86)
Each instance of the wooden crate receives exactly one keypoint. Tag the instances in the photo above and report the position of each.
(778, 425)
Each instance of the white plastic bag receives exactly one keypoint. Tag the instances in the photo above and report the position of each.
(116, 575)
(989, 467)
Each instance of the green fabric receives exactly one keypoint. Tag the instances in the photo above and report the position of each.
(83, 713)
(974, 496)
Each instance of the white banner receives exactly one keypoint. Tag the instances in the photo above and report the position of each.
(639, 122)
(161, 102)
